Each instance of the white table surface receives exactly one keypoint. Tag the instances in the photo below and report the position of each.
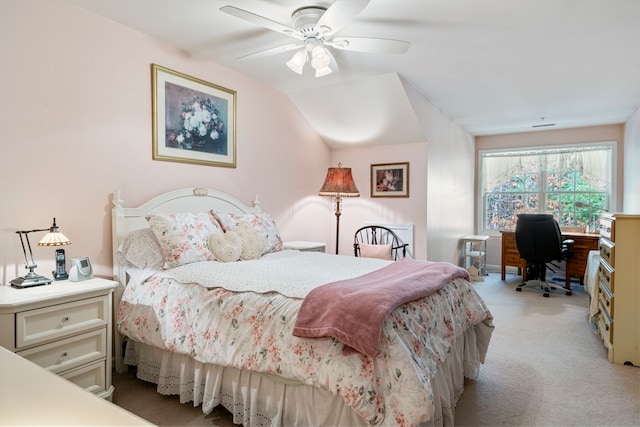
(31, 395)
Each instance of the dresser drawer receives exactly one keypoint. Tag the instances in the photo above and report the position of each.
(69, 353)
(605, 326)
(91, 377)
(607, 251)
(57, 321)
(605, 299)
(607, 275)
(607, 228)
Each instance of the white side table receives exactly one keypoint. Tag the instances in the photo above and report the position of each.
(474, 249)
(305, 246)
(65, 327)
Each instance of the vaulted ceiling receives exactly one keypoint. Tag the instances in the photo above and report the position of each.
(493, 66)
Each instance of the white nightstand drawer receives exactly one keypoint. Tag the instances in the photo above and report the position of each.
(92, 377)
(44, 324)
(69, 353)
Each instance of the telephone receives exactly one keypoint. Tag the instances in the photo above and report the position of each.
(61, 272)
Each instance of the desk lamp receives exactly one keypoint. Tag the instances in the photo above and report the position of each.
(53, 238)
(339, 183)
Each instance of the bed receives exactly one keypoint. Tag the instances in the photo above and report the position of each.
(237, 321)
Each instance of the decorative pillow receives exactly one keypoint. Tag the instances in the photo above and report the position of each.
(226, 247)
(375, 251)
(261, 222)
(184, 236)
(252, 243)
(141, 249)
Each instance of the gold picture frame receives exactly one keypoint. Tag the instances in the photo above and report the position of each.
(390, 180)
(194, 121)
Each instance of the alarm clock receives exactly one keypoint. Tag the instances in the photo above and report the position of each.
(80, 269)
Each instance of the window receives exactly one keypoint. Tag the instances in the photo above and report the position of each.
(575, 184)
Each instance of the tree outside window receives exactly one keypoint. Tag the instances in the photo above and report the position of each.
(574, 184)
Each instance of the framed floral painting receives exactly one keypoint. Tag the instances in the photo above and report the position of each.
(194, 121)
(390, 180)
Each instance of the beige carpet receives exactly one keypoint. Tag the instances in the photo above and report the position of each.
(545, 367)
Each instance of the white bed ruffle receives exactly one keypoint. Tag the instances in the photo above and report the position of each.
(259, 400)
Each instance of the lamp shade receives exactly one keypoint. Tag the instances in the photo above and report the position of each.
(54, 237)
(296, 63)
(339, 182)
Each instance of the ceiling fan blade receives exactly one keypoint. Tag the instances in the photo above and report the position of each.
(339, 14)
(369, 45)
(272, 51)
(262, 21)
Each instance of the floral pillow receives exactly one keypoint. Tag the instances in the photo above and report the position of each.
(184, 236)
(260, 222)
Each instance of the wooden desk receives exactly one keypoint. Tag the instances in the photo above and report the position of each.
(576, 266)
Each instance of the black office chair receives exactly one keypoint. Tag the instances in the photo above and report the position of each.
(539, 242)
(366, 237)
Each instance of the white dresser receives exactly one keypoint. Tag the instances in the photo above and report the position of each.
(619, 287)
(65, 327)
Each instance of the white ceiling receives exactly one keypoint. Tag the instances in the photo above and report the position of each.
(494, 66)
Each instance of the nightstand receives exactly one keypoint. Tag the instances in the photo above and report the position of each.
(474, 251)
(65, 327)
(305, 246)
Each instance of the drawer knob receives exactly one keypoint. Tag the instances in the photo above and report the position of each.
(64, 320)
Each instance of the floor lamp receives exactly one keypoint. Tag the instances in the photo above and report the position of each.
(339, 183)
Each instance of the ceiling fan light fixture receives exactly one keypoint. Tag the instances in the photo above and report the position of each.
(323, 71)
(296, 63)
(320, 58)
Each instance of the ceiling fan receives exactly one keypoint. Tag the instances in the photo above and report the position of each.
(314, 28)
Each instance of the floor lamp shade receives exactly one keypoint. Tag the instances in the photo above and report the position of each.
(339, 183)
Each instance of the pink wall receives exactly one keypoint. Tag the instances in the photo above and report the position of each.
(75, 116)
(356, 212)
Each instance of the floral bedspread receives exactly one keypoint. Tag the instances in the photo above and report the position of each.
(253, 331)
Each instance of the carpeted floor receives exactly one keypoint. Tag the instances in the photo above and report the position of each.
(545, 367)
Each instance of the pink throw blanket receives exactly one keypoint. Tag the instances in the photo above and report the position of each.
(353, 310)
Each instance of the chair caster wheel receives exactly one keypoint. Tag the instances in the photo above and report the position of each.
(546, 294)
(568, 293)
(519, 289)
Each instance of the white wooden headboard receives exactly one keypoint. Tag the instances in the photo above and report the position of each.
(124, 220)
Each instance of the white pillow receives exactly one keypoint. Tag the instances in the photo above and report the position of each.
(141, 249)
(252, 243)
(261, 222)
(375, 251)
(226, 247)
(184, 236)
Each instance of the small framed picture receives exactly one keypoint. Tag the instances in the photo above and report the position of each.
(194, 121)
(390, 180)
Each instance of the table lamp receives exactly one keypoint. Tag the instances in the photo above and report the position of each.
(53, 238)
